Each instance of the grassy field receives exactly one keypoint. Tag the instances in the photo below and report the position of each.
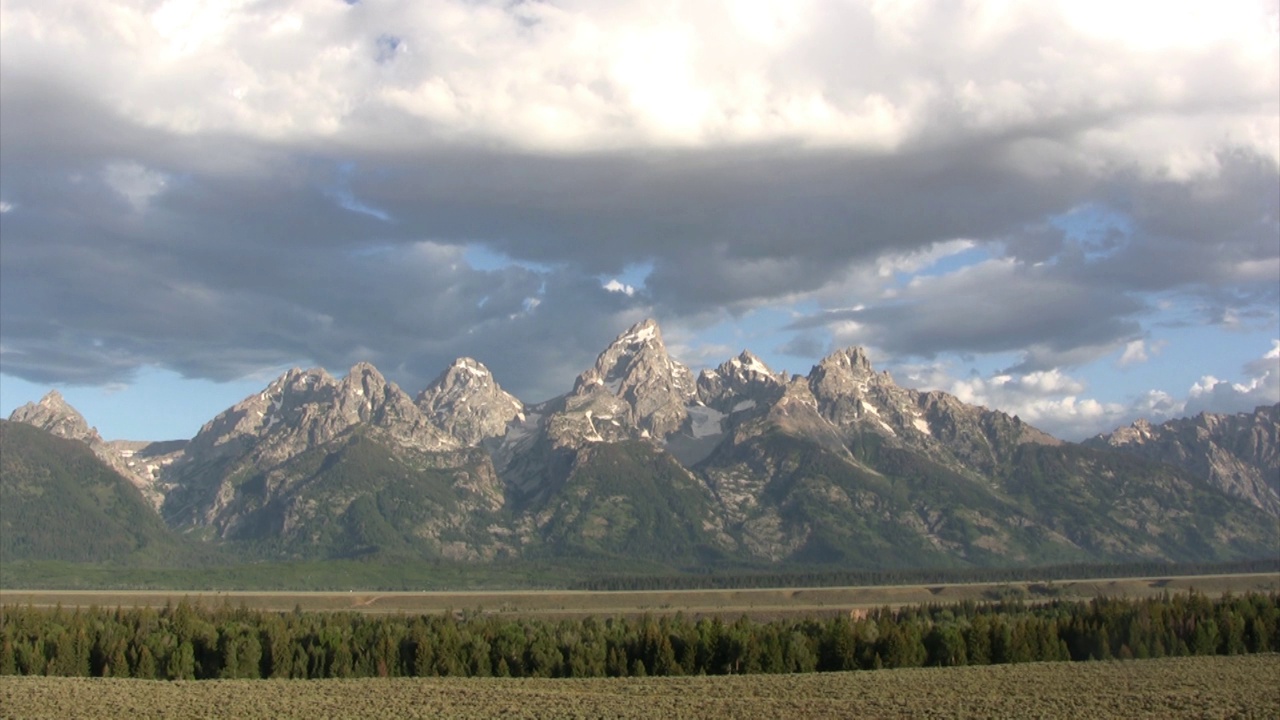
(758, 603)
(1219, 687)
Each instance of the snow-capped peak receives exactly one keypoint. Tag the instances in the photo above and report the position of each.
(747, 362)
(635, 369)
(738, 380)
(643, 331)
(471, 367)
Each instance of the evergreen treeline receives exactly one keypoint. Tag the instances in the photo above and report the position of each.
(819, 577)
(188, 641)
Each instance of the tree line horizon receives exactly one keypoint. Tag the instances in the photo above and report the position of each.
(190, 641)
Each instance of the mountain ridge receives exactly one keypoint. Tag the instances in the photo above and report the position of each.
(1239, 452)
(840, 465)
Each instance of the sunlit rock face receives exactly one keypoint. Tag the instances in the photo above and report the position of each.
(1239, 453)
(467, 403)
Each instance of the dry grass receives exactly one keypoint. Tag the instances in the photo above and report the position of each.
(1240, 687)
(759, 603)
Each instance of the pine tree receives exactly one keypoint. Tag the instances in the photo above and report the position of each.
(145, 668)
(182, 663)
(8, 664)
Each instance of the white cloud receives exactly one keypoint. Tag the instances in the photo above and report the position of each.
(580, 75)
(616, 286)
(1049, 400)
(1059, 403)
(1261, 386)
(1135, 352)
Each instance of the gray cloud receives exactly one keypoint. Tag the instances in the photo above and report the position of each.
(997, 306)
(233, 194)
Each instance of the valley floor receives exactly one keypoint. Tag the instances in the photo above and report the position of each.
(756, 603)
(1233, 686)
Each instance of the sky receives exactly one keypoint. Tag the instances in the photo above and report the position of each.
(1068, 211)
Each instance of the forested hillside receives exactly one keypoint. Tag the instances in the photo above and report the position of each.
(59, 501)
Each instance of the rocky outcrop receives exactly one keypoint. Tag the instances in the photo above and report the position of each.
(55, 415)
(852, 396)
(637, 369)
(305, 408)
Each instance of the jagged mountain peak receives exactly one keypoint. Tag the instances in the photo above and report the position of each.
(645, 331)
(54, 400)
(470, 365)
(853, 360)
(463, 372)
(364, 367)
(364, 380)
(57, 417)
(467, 402)
(1137, 431)
(636, 370)
(846, 375)
(1239, 453)
(739, 383)
(54, 414)
(852, 396)
(297, 380)
(747, 364)
(641, 345)
(305, 408)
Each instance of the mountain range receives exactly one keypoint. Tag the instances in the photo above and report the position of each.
(642, 462)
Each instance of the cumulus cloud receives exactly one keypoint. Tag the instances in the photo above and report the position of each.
(617, 286)
(1062, 405)
(1261, 386)
(574, 74)
(1049, 399)
(134, 183)
(1137, 352)
(1134, 352)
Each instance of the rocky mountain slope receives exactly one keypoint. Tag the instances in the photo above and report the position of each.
(1238, 453)
(141, 463)
(316, 465)
(642, 462)
(845, 463)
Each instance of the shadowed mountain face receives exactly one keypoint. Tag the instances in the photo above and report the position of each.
(60, 501)
(642, 462)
